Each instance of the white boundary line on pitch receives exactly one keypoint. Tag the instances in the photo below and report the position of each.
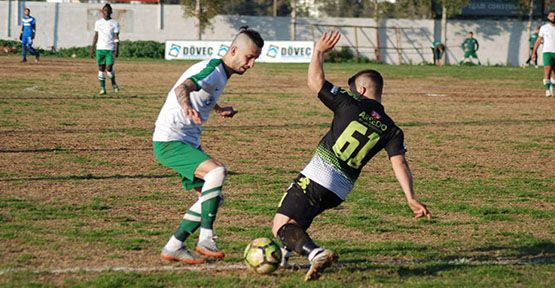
(227, 267)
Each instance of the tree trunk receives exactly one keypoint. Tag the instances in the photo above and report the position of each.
(293, 20)
(444, 30)
(377, 21)
(274, 9)
(197, 17)
(530, 17)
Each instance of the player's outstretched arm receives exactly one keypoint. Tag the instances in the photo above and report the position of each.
(183, 91)
(316, 75)
(404, 176)
(225, 112)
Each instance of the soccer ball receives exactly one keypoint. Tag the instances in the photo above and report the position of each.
(262, 256)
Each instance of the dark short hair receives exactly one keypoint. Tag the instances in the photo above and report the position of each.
(551, 11)
(109, 7)
(253, 35)
(376, 77)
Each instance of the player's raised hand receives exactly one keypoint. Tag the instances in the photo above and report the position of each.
(419, 209)
(227, 112)
(328, 41)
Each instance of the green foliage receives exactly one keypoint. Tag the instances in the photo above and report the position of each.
(345, 54)
(142, 49)
(254, 8)
(128, 49)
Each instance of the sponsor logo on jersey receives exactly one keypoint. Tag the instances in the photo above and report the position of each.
(368, 120)
(334, 90)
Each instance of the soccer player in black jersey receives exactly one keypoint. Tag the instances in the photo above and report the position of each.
(359, 130)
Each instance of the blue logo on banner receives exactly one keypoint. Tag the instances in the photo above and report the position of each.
(223, 49)
(272, 51)
(174, 50)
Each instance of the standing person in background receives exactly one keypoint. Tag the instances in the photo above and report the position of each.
(470, 46)
(106, 42)
(437, 50)
(547, 35)
(532, 41)
(28, 31)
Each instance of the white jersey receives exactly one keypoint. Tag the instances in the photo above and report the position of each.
(107, 30)
(547, 32)
(172, 123)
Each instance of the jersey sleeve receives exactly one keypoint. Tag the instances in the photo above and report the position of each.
(542, 32)
(334, 97)
(396, 146)
(96, 28)
(116, 27)
(207, 76)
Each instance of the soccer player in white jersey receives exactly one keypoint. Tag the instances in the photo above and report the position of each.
(360, 129)
(177, 142)
(106, 42)
(547, 35)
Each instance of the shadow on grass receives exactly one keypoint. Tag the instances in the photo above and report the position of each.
(45, 150)
(540, 253)
(96, 177)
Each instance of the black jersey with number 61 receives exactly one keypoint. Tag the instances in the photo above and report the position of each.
(359, 130)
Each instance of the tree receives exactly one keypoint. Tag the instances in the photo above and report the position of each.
(449, 8)
(203, 11)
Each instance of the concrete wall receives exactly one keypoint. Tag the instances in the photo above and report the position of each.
(501, 42)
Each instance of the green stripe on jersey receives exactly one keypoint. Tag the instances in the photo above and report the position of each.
(212, 64)
(329, 157)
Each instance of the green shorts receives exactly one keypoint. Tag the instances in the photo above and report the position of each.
(183, 158)
(470, 54)
(105, 57)
(549, 59)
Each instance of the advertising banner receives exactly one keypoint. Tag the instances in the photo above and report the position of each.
(272, 52)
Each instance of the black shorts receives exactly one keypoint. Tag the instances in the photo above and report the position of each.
(306, 199)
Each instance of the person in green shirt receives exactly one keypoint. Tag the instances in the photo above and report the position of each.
(470, 46)
(437, 51)
(532, 41)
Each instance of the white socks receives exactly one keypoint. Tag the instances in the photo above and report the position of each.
(205, 234)
(173, 244)
(314, 252)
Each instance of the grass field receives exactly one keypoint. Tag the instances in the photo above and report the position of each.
(83, 203)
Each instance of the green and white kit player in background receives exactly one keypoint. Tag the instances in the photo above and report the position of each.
(359, 130)
(177, 141)
(106, 41)
(547, 34)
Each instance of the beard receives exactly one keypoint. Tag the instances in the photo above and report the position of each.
(551, 21)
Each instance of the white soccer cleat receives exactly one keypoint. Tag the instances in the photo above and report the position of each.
(182, 255)
(323, 260)
(548, 93)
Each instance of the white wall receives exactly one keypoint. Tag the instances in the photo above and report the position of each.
(501, 42)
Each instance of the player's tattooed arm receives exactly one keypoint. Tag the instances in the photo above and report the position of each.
(183, 93)
(316, 77)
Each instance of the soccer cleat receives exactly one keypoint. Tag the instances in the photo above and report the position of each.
(320, 262)
(102, 92)
(181, 255)
(116, 89)
(37, 58)
(208, 248)
(548, 93)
